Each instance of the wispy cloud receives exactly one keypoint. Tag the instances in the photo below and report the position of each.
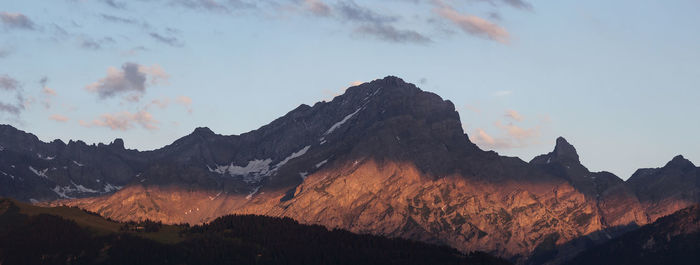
(186, 102)
(349, 10)
(519, 4)
(473, 25)
(11, 85)
(59, 118)
(114, 4)
(126, 21)
(507, 135)
(131, 78)
(511, 114)
(47, 93)
(16, 21)
(169, 40)
(123, 121)
(391, 34)
(8, 83)
(318, 7)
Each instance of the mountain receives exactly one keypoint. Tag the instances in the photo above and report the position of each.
(674, 239)
(37, 235)
(670, 188)
(384, 158)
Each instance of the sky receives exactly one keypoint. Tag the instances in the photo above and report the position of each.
(619, 79)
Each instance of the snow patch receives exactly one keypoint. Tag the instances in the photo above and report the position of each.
(40, 173)
(256, 170)
(253, 172)
(341, 122)
(78, 164)
(9, 175)
(303, 175)
(292, 156)
(45, 157)
(2, 148)
(320, 164)
(83, 189)
(32, 200)
(110, 188)
(61, 191)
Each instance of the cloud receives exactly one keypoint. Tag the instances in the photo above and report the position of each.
(474, 25)
(209, 5)
(377, 25)
(131, 78)
(8, 83)
(169, 40)
(59, 118)
(47, 92)
(356, 83)
(510, 136)
(513, 115)
(186, 102)
(94, 44)
(391, 34)
(127, 21)
(486, 141)
(123, 121)
(318, 8)
(16, 21)
(517, 132)
(349, 10)
(519, 4)
(114, 4)
(135, 50)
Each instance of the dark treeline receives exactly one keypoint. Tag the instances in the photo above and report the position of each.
(48, 239)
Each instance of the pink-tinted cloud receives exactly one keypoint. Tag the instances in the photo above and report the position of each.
(123, 121)
(518, 132)
(488, 142)
(186, 102)
(473, 25)
(318, 8)
(509, 136)
(511, 114)
(59, 118)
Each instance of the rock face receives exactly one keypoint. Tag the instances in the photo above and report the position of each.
(668, 189)
(384, 158)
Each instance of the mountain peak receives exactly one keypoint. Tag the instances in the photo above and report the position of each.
(679, 162)
(118, 143)
(563, 149)
(203, 131)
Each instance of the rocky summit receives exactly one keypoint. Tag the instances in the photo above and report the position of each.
(384, 158)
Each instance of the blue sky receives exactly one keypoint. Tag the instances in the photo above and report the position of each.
(619, 79)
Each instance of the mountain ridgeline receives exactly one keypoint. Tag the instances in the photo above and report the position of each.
(384, 158)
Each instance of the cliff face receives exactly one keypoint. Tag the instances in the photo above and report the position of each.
(384, 158)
